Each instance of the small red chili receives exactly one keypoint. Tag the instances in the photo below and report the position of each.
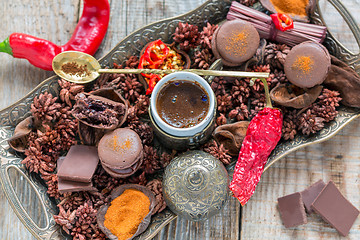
(262, 136)
(279, 19)
(152, 82)
(87, 37)
(154, 55)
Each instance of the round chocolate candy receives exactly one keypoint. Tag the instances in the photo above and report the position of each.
(235, 42)
(307, 64)
(120, 152)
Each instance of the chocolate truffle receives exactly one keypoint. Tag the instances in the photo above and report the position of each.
(235, 42)
(307, 64)
(120, 152)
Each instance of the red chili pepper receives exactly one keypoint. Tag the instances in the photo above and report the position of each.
(143, 63)
(152, 82)
(279, 19)
(87, 37)
(154, 55)
(262, 136)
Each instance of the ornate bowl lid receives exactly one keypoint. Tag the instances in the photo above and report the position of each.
(195, 185)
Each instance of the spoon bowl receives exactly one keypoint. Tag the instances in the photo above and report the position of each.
(81, 59)
(91, 69)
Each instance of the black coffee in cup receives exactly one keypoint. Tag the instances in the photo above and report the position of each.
(182, 103)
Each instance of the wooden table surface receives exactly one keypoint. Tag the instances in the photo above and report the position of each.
(337, 159)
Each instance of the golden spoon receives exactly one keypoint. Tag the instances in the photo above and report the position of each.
(91, 69)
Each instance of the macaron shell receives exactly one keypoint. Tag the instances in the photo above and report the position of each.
(217, 54)
(237, 41)
(320, 65)
(120, 148)
(213, 45)
(123, 173)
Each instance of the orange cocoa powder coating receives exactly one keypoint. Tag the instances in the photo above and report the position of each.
(126, 212)
(296, 7)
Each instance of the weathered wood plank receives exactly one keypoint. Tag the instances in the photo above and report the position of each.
(337, 159)
(52, 20)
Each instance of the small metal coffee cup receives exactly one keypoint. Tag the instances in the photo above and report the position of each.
(183, 138)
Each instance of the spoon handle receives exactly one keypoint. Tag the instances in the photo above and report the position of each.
(196, 71)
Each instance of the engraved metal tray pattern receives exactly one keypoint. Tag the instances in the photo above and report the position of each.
(212, 11)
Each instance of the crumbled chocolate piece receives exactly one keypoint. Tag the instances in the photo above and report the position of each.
(292, 210)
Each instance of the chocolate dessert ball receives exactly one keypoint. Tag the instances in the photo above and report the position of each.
(307, 64)
(235, 42)
(120, 152)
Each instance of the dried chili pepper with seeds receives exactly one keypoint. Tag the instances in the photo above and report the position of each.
(158, 56)
(262, 136)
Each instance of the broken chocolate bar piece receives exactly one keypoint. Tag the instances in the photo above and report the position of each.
(335, 209)
(292, 211)
(71, 186)
(310, 194)
(79, 164)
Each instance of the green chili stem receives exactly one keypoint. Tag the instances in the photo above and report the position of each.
(266, 88)
(5, 47)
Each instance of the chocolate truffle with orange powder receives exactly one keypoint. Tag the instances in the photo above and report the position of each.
(307, 64)
(120, 152)
(235, 42)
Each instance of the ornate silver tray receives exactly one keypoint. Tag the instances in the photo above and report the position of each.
(212, 11)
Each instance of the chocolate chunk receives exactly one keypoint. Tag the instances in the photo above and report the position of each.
(335, 209)
(79, 164)
(310, 194)
(292, 211)
(71, 186)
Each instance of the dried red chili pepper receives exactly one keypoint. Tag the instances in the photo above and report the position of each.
(279, 19)
(87, 37)
(262, 136)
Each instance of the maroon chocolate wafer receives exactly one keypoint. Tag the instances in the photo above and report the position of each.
(310, 194)
(79, 164)
(292, 211)
(335, 209)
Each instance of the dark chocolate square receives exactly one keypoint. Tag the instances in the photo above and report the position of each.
(71, 186)
(310, 194)
(79, 164)
(292, 211)
(335, 209)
